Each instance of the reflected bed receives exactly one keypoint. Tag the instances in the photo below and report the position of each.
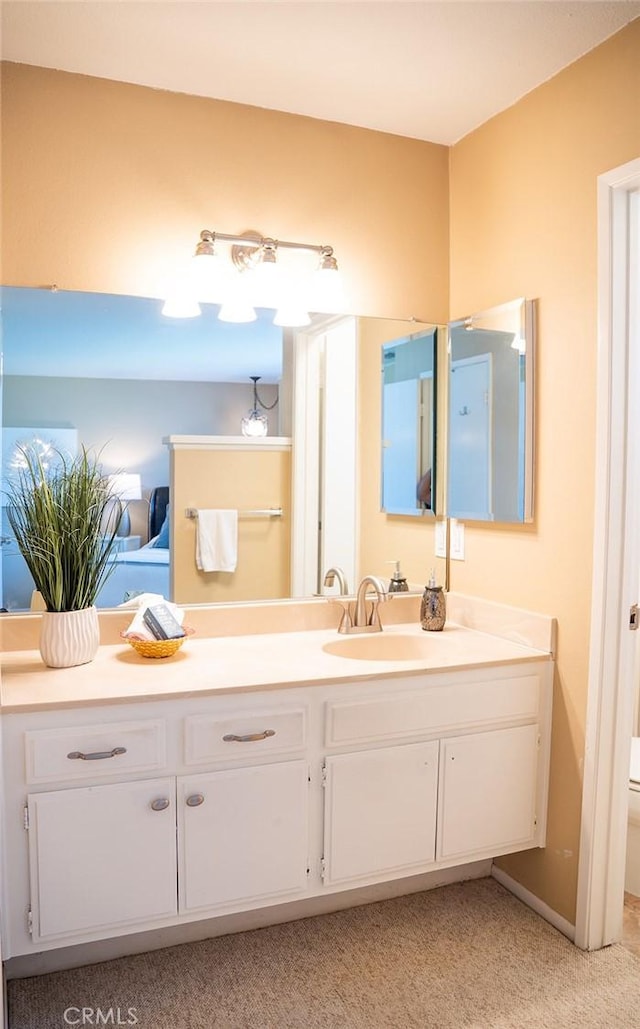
(136, 571)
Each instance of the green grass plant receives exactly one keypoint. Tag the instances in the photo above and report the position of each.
(58, 516)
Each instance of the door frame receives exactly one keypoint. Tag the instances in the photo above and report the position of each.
(324, 420)
(613, 659)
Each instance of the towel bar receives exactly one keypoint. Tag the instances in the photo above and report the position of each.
(267, 512)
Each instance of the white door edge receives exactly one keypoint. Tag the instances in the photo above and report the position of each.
(615, 583)
(308, 477)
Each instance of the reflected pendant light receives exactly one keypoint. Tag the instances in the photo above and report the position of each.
(254, 422)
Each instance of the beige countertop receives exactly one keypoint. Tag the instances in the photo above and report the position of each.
(241, 663)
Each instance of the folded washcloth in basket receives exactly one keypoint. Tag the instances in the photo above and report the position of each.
(141, 603)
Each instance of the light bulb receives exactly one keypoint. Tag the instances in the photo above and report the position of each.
(210, 275)
(265, 280)
(236, 306)
(327, 290)
(254, 424)
(264, 284)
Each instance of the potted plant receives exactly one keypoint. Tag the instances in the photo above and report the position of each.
(58, 513)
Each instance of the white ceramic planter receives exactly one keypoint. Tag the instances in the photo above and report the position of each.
(69, 638)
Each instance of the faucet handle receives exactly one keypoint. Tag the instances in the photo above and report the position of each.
(346, 619)
(346, 622)
(374, 618)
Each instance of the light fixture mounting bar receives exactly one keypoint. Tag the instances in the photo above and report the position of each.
(268, 278)
(249, 238)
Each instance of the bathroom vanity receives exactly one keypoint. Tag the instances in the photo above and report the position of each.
(263, 770)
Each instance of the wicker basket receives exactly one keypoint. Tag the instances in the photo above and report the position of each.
(157, 648)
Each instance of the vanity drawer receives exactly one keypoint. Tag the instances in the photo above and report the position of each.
(94, 751)
(242, 735)
(435, 709)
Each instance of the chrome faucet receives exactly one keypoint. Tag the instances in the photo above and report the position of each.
(336, 573)
(355, 616)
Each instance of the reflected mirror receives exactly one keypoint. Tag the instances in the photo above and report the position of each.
(112, 373)
(408, 423)
(490, 425)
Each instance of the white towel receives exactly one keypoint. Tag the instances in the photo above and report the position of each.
(217, 540)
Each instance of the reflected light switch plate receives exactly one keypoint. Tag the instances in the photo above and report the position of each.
(441, 538)
(456, 539)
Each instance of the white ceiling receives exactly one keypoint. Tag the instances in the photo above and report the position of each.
(429, 70)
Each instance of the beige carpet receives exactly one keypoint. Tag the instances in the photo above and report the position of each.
(467, 955)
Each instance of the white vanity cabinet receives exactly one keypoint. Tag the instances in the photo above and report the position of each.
(395, 808)
(488, 792)
(380, 812)
(243, 829)
(101, 857)
(160, 812)
(242, 834)
(104, 858)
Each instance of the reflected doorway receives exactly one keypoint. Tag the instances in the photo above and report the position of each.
(470, 437)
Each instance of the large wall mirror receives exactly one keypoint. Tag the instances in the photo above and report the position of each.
(409, 423)
(110, 373)
(490, 425)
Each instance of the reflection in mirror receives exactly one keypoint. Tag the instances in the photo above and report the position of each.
(112, 374)
(490, 430)
(408, 424)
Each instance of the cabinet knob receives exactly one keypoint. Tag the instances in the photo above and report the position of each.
(160, 804)
(195, 800)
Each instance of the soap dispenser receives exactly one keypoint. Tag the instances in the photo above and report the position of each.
(433, 607)
(397, 583)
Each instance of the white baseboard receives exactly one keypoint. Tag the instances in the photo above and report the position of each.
(533, 902)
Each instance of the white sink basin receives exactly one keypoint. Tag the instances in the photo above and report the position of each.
(382, 647)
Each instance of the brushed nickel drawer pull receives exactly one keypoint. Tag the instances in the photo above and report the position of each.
(98, 755)
(161, 804)
(251, 737)
(195, 800)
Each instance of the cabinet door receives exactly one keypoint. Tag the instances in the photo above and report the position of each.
(380, 811)
(243, 834)
(102, 856)
(488, 792)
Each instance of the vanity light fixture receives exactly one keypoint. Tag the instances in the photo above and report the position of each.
(250, 270)
(254, 422)
(291, 315)
(236, 305)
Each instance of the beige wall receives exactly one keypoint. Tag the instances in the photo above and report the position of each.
(523, 223)
(245, 481)
(107, 185)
